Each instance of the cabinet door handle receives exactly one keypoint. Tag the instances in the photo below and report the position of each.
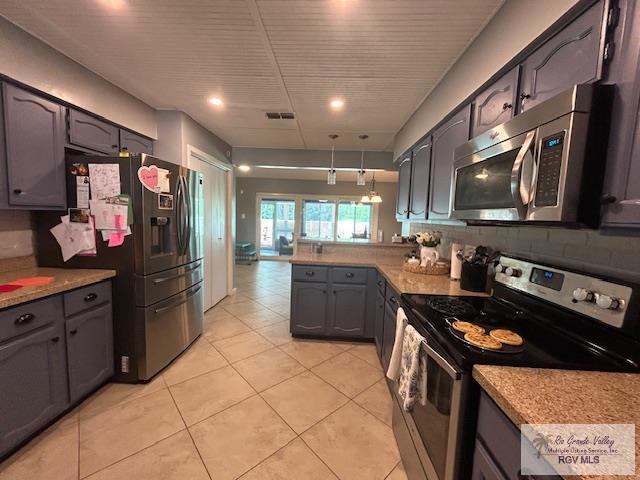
(17, 191)
(524, 96)
(393, 300)
(24, 318)
(348, 275)
(90, 297)
(380, 283)
(607, 199)
(114, 146)
(506, 106)
(310, 273)
(324, 291)
(73, 332)
(55, 339)
(334, 292)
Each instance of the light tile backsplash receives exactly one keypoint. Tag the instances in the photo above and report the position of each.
(588, 250)
(16, 233)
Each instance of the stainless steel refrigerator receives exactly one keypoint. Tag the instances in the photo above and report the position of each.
(158, 297)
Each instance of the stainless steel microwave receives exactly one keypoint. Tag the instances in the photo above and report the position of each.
(544, 165)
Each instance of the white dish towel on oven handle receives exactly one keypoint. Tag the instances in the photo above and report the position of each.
(393, 372)
(412, 384)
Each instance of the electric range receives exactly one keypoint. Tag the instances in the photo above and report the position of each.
(566, 320)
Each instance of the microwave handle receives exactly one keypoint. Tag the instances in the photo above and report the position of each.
(516, 175)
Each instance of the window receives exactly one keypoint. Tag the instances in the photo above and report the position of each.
(318, 219)
(354, 220)
(340, 219)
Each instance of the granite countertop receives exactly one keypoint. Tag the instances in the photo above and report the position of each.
(390, 266)
(537, 395)
(63, 279)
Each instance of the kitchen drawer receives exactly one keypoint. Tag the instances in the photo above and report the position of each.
(84, 298)
(381, 282)
(392, 298)
(349, 275)
(158, 286)
(309, 273)
(23, 318)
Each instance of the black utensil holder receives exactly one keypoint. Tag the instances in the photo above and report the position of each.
(473, 277)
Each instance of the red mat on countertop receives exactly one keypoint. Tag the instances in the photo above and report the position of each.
(32, 281)
(6, 288)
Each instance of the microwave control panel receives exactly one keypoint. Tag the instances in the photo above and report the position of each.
(549, 167)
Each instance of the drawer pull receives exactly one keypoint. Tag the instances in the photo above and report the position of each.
(310, 273)
(348, 275)
(55, 339)
(393, 300)
(25, 318)
(380, 283)
(90, 297)
(73, 332)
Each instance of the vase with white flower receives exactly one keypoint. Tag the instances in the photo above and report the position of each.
(428, 241)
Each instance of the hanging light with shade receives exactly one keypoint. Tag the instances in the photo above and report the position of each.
(360, 176)
(373, 196)
(331, 175)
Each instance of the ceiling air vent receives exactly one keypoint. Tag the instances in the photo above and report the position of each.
(280, 115)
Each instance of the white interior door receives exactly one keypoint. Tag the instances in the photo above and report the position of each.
(215, 237)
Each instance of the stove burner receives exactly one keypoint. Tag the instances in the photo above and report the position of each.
(451, 306)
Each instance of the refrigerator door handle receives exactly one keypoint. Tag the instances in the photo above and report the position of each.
(187, 204)
(179, 213)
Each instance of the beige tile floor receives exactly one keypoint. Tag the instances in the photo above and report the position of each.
(244, 401)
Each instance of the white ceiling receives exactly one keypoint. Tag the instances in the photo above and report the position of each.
(381, 56)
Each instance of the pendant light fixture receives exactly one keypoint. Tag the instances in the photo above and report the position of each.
(331, 176)
(373, 196)
(360, 176)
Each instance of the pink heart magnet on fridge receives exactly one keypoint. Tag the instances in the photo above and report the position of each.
(148, 176)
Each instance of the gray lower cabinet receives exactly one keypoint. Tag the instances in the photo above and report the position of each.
(347, 310)
(574, 55)
(388, 334)
(446, 139)
(49, 362)
(483, 466)
(308, 308)
(135, 143)
(404, 187)
(89, 350)
(32, 172)
(496, 104)
(89, 132)
(33, 383)
(419, 191)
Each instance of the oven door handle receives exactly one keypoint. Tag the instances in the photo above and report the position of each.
(522, 172)
(452, 371)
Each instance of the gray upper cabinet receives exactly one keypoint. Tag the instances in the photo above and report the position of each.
(404, 187)
(34, 149)
(308, 308)
(89, 132)
(419, 190)
(34, 383)
(347, 310)
(135, 143)
(572, 56)
(496, 104)
(446, 139)
(89, 350)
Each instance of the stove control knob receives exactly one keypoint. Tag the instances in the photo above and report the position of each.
(608, 303)
(500, 268)
(582, 295)
(512, 272)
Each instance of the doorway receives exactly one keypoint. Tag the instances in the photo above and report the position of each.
(217, 226)
(277, 226)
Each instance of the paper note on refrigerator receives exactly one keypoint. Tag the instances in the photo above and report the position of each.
(73, 238)
(82, 191)
(106, 234)
(163, 180)
(109, 216)
(105, 180)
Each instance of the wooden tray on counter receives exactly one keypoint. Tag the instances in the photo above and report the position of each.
(439, 268)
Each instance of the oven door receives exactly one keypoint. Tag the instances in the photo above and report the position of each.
(495, 184)
(436, 426)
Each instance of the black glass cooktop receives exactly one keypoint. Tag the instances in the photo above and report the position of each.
(546, 343)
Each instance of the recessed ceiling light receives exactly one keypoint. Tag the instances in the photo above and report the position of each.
(114, 4)
(337, 103)
(244, 168)
(216, 101)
